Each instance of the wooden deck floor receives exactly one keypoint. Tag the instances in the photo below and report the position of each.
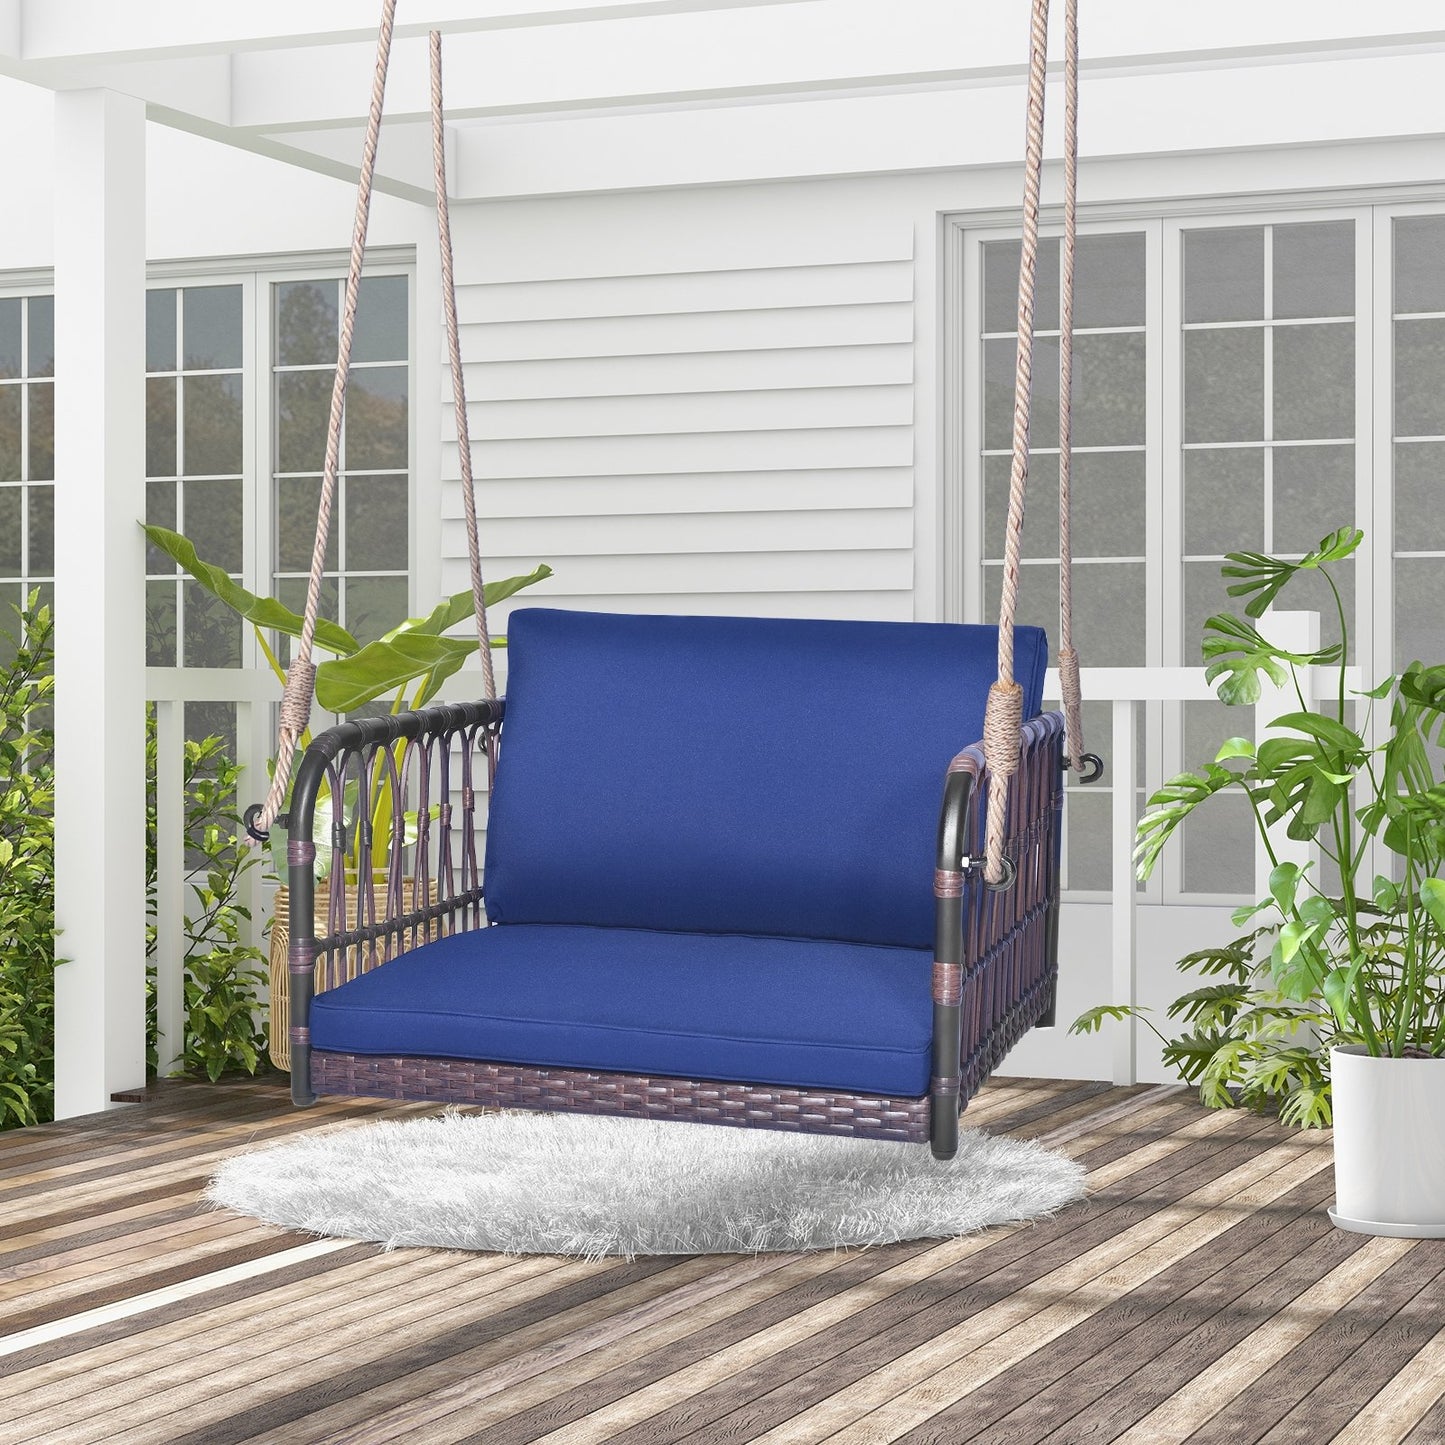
(1199, 1294)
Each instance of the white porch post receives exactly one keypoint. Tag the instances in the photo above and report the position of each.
(99, 597)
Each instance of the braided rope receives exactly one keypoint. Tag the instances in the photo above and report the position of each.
(301, 674)
(454, 356)
(1068, 658)
(1003, 717)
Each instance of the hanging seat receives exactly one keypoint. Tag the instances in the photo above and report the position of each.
(717, 879)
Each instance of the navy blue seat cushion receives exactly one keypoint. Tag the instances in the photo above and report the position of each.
(785, 1011)
(734, 775)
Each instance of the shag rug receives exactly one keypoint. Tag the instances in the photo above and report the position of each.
(519, 1183)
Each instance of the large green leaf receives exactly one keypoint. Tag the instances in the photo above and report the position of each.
(262, 611)
(458, 608)
(382, 667)
(1262, 578)
(1169, 807)
(1237, 654)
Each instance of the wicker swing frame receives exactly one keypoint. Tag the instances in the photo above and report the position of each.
(996, 881)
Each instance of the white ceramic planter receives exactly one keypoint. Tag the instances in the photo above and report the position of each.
(1389, 1144)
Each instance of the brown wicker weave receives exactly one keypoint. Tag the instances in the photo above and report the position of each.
(993, 977)
(279, 1023)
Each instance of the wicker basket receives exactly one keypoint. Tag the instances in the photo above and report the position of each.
(280, 1022)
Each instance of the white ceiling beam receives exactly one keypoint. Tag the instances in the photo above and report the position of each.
(79, 30)
(680, 59)
(1121, 116)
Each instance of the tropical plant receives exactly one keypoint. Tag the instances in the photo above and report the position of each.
(408, 664)
(27, 869)
(224, 1010)
(1364, 966)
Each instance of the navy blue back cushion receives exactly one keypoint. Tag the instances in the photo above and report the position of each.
(734, 774)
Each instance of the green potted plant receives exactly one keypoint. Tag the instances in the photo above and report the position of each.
(1331, 1006)
(407, 666)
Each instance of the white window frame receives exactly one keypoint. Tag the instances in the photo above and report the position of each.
(960, 510)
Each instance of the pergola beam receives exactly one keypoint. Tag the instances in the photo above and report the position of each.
(101, 30)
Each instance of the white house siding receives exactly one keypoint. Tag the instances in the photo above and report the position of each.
(682, 409)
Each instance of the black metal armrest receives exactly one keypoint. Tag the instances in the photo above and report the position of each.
(440, 892)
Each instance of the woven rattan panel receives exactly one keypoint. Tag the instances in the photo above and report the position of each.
(511, 1086)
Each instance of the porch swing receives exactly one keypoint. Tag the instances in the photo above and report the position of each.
(709, 840)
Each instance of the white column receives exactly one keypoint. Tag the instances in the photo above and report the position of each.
(99, 597)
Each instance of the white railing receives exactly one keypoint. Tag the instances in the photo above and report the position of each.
(255, 692)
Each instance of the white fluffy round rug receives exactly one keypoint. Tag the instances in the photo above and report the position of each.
(519, 1183)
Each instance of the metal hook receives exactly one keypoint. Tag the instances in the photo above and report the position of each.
(1090, 767)
(1010, 877)
(249, 818)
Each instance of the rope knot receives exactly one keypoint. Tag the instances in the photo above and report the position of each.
(296, 698)
(1003, 728)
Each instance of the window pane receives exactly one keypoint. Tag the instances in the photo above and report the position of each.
(211, 719)
(1314, 381)
(375, 605)
(212, 425)
(1207, 725)
(1420, 263)
(10, 532)
(1314, 269)
(306, 327)
(382, 320)
(213, 522)
(1088, 823)
(376, 524)
(1309, 592)
(376, 428)
(161, 624)
(998, 393)
(11, 399)
(40, 506)
(1419, 606)
(1107, 512)
(1041, 520)
(213, 631)
(1108, 391)
(1420, 497)
(1224, 385)
(1218, 848)
(160, 426)
(41, 399)
(11, 308)
(1224, 274)
(41, 345)
(211, 326)
(291, 592)
(1314, 492)
(1001, 286)
(1109, 607)
(160, 512)
(1204, 595)
(161, 330)
(1223, 500)
(297, 500)
(303, 405)
(1109, 281)
(1419, 378)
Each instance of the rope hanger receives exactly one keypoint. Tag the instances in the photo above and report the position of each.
(300, 690)
(1003, 717)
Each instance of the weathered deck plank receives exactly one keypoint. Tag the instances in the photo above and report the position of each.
(1199, 1293)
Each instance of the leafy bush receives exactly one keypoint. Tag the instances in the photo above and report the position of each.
(27, 870)
(224, 1013)
(1365, 967)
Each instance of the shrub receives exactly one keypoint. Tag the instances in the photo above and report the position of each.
(27, 869)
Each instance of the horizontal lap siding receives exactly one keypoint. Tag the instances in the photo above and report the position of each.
(727, 429)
